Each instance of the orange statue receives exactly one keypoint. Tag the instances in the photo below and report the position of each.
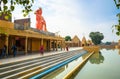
(40, 22)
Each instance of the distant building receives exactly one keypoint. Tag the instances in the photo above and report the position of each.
(118, 45)
(83, 42)
(89, 43)
(75, 42)
(119, 42)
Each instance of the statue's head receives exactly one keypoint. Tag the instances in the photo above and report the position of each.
(40, 8)
(39, 11)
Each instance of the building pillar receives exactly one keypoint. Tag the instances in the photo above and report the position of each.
(56, 45)
(42, 41)
(50, 45)
(53, 45)
(61, 46)
(26, 45)
(29, 45)
(6, 43)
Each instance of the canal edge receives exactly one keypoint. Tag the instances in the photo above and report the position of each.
(69, 75)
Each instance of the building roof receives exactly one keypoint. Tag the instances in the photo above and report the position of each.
(84, 40)
(75, 39)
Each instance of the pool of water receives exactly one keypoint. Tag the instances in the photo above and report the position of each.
(61, 72)
(102, 65)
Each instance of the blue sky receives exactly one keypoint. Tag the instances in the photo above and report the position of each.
(77, 17)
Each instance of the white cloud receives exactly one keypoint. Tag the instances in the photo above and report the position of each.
(62, 17)
(73, 18)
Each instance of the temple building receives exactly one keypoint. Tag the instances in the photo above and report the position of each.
(75, 42)
(83, 42)
(89, 43)
(27, 39)
(118, 44)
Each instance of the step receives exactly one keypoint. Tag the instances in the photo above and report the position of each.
(22, 68)
(31, 62)
(7, 68)
(22, 61)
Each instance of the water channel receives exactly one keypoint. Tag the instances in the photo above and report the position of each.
(105, 65)
(102, 65)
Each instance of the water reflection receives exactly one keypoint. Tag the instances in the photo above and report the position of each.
(102, 65)
(97, 58)
(108, 61)
(62, 71)
(108, 47)
(112, 48)
(54, 74)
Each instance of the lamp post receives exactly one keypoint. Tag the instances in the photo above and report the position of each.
(117, 3)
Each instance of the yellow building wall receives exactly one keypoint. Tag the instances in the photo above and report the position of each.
(6, 24)
(45, 44)
(35, 44)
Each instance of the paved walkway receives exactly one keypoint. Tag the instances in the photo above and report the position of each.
(30, 56)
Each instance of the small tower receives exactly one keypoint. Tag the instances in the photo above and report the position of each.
(84, 42)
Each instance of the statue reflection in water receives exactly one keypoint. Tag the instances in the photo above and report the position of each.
(96, 58)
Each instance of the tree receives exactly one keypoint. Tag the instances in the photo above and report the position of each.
(107, 43)
(96, 37)
(117, 28)
(8, 6)
(67, 38)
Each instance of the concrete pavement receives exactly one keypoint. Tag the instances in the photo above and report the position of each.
(31, 56)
